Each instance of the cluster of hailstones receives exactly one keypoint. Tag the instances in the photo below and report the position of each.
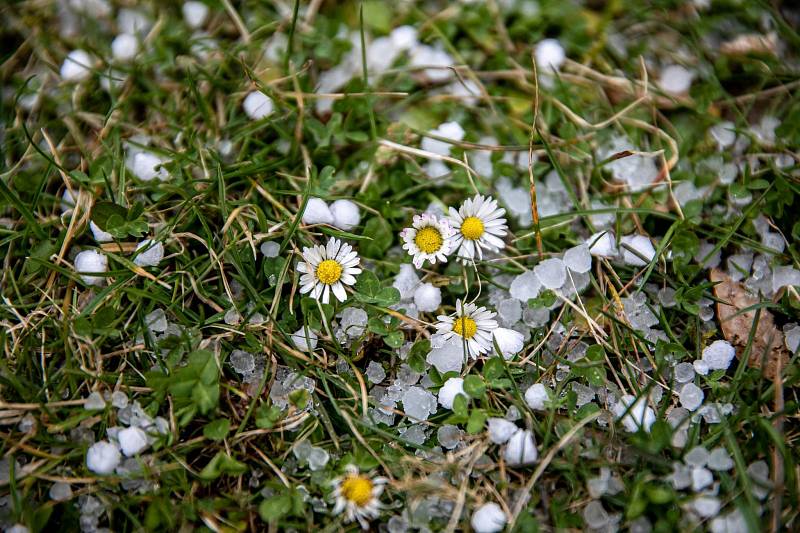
(478, 225)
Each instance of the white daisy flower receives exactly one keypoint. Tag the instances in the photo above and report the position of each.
(428, 238)
(328, 268)
(358, 495)
(479, 224)
(473, 324)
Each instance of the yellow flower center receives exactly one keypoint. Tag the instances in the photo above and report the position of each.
(329, 272)
(357, 489)
(465, 326)
(428, 239)
(472, 228)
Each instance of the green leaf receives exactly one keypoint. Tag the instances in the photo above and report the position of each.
(116, 224)
(377, 17)
(460, 405)
(217, 430)
(220, 464)
(369, 290)
(416, 360)
(474, 386)
(197, 383)
(135, 211)
(596, 376)
(395, 339)
(368, 284)
(325, 181)
(206, 397)
(493, 368)
(378, 326)
(275, 507)
(758, 184)
(595, 352)
(299, 398)
(586, 410)
(382, 238)
(477, 419)
(387, 296)
(103, 211)
(267, 416)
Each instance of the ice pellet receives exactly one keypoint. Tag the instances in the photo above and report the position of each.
(60, 492)
(578, 259)
(500, 430)
(375, 372)
(525, 287)
(691, 396)
(719, 459)
(684, 372)
(551, 273)
(418, 403)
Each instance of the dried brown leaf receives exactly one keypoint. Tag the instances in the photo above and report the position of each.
(768, 348)
(751, 43)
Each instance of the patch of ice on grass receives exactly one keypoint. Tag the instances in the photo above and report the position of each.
(427, 297)
(791, 334)
(578, 259)
(447, 130)
(500, 430)
(194, 13)
(551, 273)
(716, 356)
(719, 459)
(595, 516)
(418, 403)
(258, 105)
(602, 244)
(448, 357)
(94, 402)
(305, 339)
(270, 249)
(691, 396)
(375, 372)
(449, 390)
(537, 395)
(521, 449)
(785, 276)
(77, 66)
(60, 491)
(317, 212)
(103, 457)
(634, 413)
(132, 440)
(637, 171)
(488, 518)
(346, 214)
(525, 287)
(149, 253)
(637, 250)
(406, 281)
(675, 79)
(353, 321)
(90, 262)
(449, 436)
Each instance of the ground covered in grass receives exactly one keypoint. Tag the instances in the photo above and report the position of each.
(408, 266)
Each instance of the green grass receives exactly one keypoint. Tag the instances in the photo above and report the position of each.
(226, 460)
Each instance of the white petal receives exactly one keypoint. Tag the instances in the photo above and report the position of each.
(339, 292)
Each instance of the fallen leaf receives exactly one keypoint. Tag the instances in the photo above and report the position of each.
(769, 350)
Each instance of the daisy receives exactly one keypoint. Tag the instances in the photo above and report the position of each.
(428, 238)
(473, 324)
(358, 495)
(328, 268)
(479, 224)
